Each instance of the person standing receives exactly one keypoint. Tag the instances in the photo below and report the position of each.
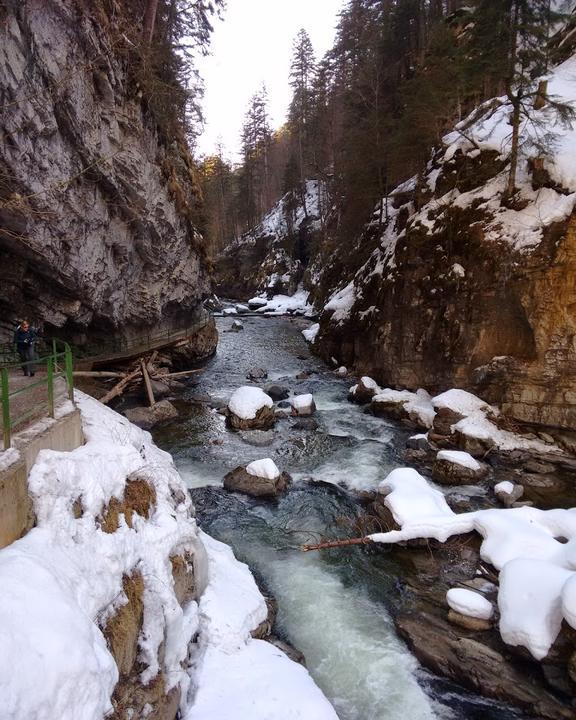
(25, 338)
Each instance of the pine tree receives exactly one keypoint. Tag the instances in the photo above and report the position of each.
(511, 41)
(256, 140)
(302, 76)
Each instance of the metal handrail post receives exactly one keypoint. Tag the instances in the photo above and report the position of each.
(69, 372)
(50, 379)
(5, 407)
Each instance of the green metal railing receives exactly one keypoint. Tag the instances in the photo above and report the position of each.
(57, 364)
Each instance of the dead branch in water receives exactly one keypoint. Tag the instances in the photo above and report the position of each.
(337, 543)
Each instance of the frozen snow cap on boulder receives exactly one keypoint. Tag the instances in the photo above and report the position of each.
(250, 408)
(257, 302)
(405, 405)
(454, 467)
(265, 468)
(460, 401)
(469, 609)
(364, 391)
(470, 603)
(260, 478)
(508, 492)
(303, 405)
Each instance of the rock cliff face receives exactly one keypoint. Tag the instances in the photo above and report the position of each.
(271, 259)
(93, 236)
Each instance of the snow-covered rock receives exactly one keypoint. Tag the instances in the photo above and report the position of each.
(508, 493)
(470, 603)
(237, 326)
(303, 405)
(404, 404)
(260, 478)
(363, 391)
(537, 570)
(454, 467)
(257, 302)
(250, 408)
(311, 332)
(265, 468)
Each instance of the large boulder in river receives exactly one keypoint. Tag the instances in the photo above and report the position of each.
(250, 409)
(147, 417)
(260, 478)
(453, 467)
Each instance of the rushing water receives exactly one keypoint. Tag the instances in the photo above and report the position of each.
(333, 606)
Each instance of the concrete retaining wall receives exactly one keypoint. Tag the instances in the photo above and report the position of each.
(16, 510)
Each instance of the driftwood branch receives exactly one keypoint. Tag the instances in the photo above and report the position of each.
(118, 389)
(337, 543)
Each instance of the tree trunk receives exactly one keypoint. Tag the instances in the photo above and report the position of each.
(511, 189)
(149, 21)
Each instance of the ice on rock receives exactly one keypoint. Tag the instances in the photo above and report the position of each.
(247, 400)
(459, 458)
(469, 603)
(265, 468)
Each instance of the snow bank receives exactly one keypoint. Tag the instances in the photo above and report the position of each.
(265, 468)
(288, 304)
(459, 458)
(64, 578)
(247, 400)
(469, 603)
(236, 676)
(537, 571)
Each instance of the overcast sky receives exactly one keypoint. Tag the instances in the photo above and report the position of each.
(252, 45)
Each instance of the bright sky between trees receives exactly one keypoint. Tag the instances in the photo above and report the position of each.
(252, 45)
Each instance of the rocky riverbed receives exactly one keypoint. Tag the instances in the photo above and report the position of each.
(361, 616)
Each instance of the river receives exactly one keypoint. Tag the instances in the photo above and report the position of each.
(334, 606)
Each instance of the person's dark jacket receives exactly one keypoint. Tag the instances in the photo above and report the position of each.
(25, 337)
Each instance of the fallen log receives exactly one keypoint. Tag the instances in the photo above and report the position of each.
(118, 389)
(162, 376)
(98, 374)
(147, 384)
(337, 543)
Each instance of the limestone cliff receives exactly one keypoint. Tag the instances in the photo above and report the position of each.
(95, 228)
